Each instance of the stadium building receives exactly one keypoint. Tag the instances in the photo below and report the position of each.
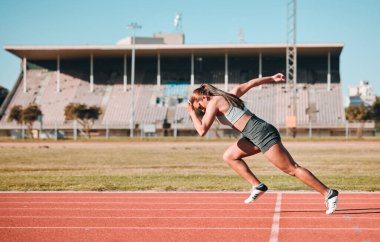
(361, 95)
(166, 71)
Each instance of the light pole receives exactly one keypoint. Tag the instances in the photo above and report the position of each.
(133, 27)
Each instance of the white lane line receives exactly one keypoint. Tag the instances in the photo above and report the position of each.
(187, 228)
(132, 197)
(338, 229)
(276, 220)
(174, 192)
(179, 203)
(133, 203)
(180, 217)
(143, 228)
(150, 209)
(135, 217)
(130, 203)
(172, 197)
(177, 209)
(129, 193)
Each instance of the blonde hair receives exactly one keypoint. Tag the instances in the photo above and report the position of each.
(209, 90)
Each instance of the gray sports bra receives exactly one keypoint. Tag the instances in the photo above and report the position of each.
(232, 115)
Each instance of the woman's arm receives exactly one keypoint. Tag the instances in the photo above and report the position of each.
(204, 124)
(241, 89)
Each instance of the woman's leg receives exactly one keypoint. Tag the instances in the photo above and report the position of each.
(234, 155)
(281, 158)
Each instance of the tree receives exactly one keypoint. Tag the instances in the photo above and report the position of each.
(3, 94)
(27, 116)
(15, 114)
(360, 114)
(84, 115)
(376, 111)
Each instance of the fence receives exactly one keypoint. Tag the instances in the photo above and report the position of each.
(73, 130)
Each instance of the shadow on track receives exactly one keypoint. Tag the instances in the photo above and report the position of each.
(357, 211)
(338, 211)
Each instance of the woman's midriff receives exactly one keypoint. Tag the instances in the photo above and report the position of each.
(242, 122)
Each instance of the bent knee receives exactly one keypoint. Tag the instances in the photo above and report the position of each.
(229, 157)
(226, 156)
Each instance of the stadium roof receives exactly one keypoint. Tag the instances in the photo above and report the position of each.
(46, 52)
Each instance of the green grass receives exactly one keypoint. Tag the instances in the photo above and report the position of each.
(177, 166)
(185, 139)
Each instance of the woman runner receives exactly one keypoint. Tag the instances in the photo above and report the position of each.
(208, 102)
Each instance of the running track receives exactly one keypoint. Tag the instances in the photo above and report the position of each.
(189, 216)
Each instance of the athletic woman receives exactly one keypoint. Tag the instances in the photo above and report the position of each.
(208, 102)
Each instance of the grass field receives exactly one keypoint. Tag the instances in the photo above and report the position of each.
(177, 166)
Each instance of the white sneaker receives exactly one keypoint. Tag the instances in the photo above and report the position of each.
(256, 192)
(332, 201)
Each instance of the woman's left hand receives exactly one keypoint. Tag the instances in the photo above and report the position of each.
(279, 77)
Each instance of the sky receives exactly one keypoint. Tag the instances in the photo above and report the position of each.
(355, 23)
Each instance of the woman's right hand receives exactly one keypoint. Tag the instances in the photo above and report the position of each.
(189, 107)
(279, 77)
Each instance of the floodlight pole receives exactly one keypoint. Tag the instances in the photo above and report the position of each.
(24, 70)
(125, 73)
(133, 27)
(291, 62)
(58, 88)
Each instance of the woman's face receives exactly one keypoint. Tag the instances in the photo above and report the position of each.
(201, 103)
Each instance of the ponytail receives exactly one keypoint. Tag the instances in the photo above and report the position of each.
(209, 90)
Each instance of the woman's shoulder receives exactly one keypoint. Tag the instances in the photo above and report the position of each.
(220, 100)
(221, 104)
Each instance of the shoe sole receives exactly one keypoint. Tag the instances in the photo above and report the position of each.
(330, 211)
(258, 196)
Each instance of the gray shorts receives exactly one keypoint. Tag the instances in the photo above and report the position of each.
(261, 133)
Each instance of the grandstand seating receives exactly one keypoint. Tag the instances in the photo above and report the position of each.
(269, 102)
(118, 109)
(83, 94)
(302, 105)
(282, 102)
(34, 80)
(145, 112)
(176, 89)
(182, 117)
(329, 104)
(53, 103)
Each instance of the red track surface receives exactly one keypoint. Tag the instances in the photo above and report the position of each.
(186, 217)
